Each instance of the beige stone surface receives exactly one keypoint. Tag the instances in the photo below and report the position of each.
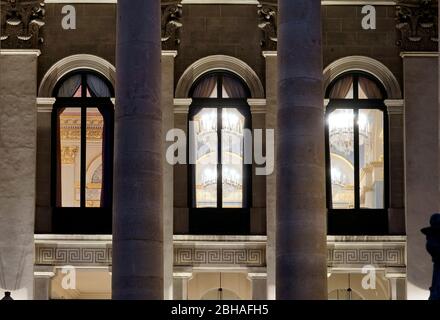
(271, 123)
(168, 176)
(17, 172)
(421, 166)
(138, 190)
(301, 213)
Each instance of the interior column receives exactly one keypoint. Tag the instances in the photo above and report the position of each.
(301, 269)
(137, 271)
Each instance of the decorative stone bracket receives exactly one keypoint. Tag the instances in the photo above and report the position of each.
(417, 23)
(21, 23)
(171, 24)
(267, 13)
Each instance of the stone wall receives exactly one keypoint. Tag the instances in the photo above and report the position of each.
(95, 34)
(207, 30)
(18, 131)
(221, 29)
(343, 36)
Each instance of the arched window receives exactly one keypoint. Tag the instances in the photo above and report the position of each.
(82, 136)
(357, 153)
(220, 180)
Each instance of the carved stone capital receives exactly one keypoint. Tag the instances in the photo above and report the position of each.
(21, 23)
(68, 154)
(267, 22)
(417, 23)
(171, 24)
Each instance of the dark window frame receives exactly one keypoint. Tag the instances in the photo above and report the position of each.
(83, 219)
(357, 220)
(219, 220)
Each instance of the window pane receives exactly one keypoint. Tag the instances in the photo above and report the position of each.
(371, 162)
(232, 158)
(94, 145)
(70, 148)
(341, 136)
(205, 130)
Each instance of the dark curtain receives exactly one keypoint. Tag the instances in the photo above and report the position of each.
(341, 88)
(233, 87)
(205, 87)
(98, 87)
(370, 88)
(69, 86)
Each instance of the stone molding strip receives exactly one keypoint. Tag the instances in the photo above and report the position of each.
(250, 2)
(215, 251)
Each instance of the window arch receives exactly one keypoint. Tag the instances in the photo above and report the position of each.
(82, 134)
(357, 153)
(219, 179)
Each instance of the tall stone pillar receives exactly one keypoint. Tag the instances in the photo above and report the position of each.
(18, 152)
(271, 123)
(167, 102)
(301, 269)
(396, 211)
(422, 199)
(137, 271)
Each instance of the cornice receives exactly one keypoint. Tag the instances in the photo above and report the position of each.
(15, 52)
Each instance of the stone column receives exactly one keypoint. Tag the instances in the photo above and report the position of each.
(180, 284)
(167, 103)
(271, 181)
(42, 278)
(396, 211)
(18, 150)
(397, 282)
(43, 214)
(137, 271)
(258, 285)
(301, 213)
(422, 197)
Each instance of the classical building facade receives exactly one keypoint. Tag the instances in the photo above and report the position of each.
(98, 199)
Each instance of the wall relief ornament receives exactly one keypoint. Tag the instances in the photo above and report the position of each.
(68, 154)
(417, 23)
(267, 14)
(171, 24)
(21, 23)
